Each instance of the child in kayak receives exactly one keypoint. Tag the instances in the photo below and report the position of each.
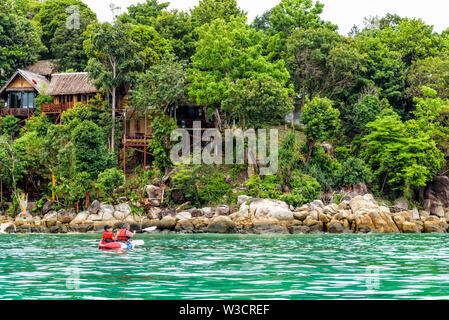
(108, 236)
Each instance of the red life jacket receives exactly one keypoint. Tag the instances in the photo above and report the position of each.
(107, 237)
(121, 235)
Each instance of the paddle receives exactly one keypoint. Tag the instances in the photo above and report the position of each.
(150, 229)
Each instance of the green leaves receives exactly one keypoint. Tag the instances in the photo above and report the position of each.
(226, 53)
(109, 180)
(401, 156)
(160, 85)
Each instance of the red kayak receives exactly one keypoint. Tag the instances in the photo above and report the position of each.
(111, 245)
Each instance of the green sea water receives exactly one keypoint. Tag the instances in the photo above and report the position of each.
(374, 266)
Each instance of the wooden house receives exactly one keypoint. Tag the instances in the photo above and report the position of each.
(20, 92)
(68, 89)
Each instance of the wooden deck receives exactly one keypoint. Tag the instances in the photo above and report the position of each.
(56, 108)
(17, 112)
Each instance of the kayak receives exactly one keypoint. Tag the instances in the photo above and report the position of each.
(120, 245)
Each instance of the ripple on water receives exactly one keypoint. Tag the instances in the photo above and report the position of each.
(226, 267)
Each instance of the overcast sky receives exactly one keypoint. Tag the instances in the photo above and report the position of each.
(344, 13)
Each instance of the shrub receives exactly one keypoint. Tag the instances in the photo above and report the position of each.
(109, 180)
(353, 171)
(266, 188)
(304, 189)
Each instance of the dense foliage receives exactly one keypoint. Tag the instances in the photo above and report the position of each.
(374, 104)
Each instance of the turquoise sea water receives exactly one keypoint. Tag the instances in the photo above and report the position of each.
(227, 267)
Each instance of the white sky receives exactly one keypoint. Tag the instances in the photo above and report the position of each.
(344, 13)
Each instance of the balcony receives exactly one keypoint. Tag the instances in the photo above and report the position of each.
(56, 108)
(138, 140)
(17, 112)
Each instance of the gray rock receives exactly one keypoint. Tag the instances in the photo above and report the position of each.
(221, 224)
(184, 216)
(48, 206)
(222, 210)
(299, 229)
(94, 207)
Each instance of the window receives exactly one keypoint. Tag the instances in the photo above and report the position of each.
(62, 99)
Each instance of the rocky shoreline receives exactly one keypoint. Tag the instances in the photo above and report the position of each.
(361, 214)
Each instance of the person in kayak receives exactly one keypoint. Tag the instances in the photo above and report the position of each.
(124, 235)
(108, 236)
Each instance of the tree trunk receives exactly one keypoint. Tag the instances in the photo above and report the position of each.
(87, 199)
(309, 153)
(114, 98)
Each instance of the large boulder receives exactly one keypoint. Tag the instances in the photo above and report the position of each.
(262, 208)
(410, 227)
(80, 218)
(336, 226)
(124, 208)
(268, 226)
(48, 206)
(401, 204)
(50, 219)
(221, 224)
(184, 216)
(106, 212)
(364, 224)
(167, 223)
(438, 190)
(437, 209)
(65, 217)
(430, 227)
(363, 202)
(222, 210)
(7, 227)
(359, 189)
(94, 207)
(184, 226)
(154, 194)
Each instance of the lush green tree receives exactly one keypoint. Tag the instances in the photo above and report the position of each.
(304, 189)
(142, 13)
(290, 15)
(19, 42)
(150, 46)
(290, 156)
(321, 120)
(262, 22)
(432, 72)
(258, 102)
(208, 10)
(353, 171)
(11, 166)
(10, 125)
(177, 27)
(110, 180)
(90, 151)
(66, 43)
(160, 145)
(384, 69)
(63, 23)
(161, 85)
(226, 53)
(321, 62)
(112, 60)
(401, 156)
(356, 116)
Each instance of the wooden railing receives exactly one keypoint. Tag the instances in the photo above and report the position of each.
(136, 140)
(17, 112)
(56, 108)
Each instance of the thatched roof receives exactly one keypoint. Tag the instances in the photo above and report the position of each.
(40, 83)
(43, 67)
(71, 83)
